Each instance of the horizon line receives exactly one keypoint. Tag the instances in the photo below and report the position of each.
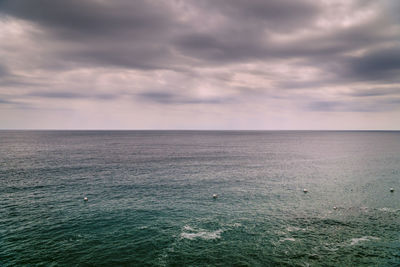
(208, 130)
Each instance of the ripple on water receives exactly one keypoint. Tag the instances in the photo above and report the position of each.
(147, 206)
(287, 239)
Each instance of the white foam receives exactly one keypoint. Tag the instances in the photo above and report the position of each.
(287, 239)
(192, 233)
(294, 229)
(388, 210)
(355, 241)
(203, 235)
(188, 228)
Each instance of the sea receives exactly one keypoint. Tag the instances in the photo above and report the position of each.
(150, 198)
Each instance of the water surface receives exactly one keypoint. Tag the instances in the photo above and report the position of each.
(150, 198)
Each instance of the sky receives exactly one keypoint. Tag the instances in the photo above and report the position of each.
(200, 64)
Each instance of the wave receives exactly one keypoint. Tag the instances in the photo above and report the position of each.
(295, 229)
(200, 233)
(188, 228)
(355, 241)
(389, 210)
(287, 239)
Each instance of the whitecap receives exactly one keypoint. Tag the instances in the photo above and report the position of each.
(287, 239)
(355, 241)
(192, 233)
(385, 209)
(294, 229)
(188, 228)
(233, 225)
(202, 235)
(388, 210)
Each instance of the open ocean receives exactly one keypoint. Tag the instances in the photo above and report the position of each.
(150, 198)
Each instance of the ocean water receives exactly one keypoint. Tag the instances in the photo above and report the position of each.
(150, 198)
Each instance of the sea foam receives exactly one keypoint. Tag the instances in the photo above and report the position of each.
(192, 233)
(287, 239)
(355, 241)
(389, 210)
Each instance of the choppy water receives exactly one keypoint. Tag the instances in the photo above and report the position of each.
(150, 198)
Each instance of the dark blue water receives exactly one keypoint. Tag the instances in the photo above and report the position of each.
(150, 198)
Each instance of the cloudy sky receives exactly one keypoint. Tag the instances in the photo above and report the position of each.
(199, 64)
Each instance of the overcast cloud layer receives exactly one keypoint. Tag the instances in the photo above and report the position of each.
(199, 64)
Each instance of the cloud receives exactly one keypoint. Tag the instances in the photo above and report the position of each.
(372, 92)
(266, 58)
(169, 98)
(14, 104)
(153, 35)
(3, 71)
(380, 64)
(90, 18)
(70, 95)
(274, 14)
(125, 33)
(381, 105)
(4, 101)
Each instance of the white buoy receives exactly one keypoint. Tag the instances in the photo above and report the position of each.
(85, 199)
(305, 190)
(391, 189)
(215, 196)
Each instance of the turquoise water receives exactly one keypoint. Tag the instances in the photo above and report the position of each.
(150, 198)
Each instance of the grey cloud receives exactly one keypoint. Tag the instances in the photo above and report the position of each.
(149, 35)
(5, 101)
(214, 49)
(135, 56)
(376, 92)
(8, 79)
(17, 81)
(67, 95)
(378, 64)
(324, 105)
(3, 71)
(381, 105)
(70, 95)
(393, 9)
(293, 84)
(273, 14)
(324, 49)
(88, 18)
(170, 98)
(14, 104)
(129, 34)
(190, 36)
